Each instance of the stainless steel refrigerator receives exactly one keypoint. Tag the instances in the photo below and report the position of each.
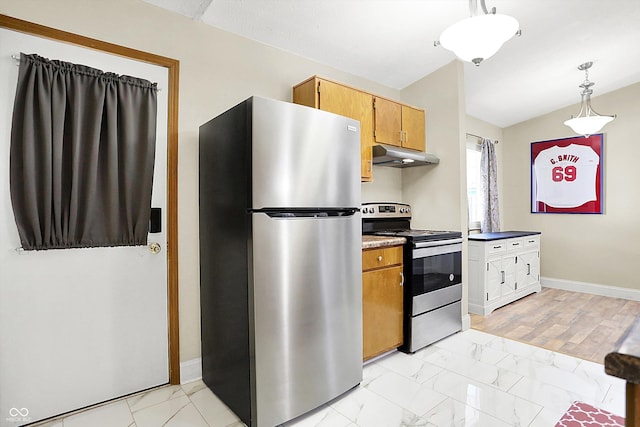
(280, 258)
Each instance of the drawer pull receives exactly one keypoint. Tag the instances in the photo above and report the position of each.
(379, 257)
(516, 244)
(497, 247)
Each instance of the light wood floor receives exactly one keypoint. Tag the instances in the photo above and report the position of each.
(581, 325)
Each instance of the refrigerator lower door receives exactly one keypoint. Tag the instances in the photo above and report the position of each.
(306, 301)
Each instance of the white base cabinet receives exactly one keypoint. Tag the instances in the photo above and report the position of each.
(502, 271)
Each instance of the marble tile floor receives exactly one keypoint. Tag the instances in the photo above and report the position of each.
(469, 379)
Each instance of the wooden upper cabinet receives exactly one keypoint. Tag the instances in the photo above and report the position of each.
(388, 122)
(399, 125)
(413, 126)
(340, 99)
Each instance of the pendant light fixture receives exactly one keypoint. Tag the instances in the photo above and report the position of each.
(588, 121)
(479, 37)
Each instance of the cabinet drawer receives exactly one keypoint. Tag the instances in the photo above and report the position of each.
(381, 257)
(515, 244)
(497, 246)
(532, 242)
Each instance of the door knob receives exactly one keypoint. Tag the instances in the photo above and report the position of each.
(154, 247)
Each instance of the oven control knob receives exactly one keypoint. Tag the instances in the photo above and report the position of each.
(451, 277)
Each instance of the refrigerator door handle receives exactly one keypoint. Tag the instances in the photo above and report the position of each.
(307, 213)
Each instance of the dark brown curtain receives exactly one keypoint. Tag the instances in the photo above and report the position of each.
(82, 156)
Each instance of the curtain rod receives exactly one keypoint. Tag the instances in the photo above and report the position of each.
(479, 137)
(16, 58)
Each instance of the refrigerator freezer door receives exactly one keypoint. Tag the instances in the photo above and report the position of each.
(303, 157)
(307, 302)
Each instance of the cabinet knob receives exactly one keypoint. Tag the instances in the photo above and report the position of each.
(379, 257)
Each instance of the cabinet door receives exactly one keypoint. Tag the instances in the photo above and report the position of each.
(413, 128)
(388, 122)
(381, 311)
(495, 278)
(509, 275)
(529, 267)
(501, 277)
(354, 104)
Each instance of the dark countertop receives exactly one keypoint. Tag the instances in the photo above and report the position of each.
(370, 242)
(485, 237)
(624, 361)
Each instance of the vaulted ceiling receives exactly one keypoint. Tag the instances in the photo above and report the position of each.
(392, 42)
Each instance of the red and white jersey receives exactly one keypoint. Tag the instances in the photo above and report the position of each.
(566, 176)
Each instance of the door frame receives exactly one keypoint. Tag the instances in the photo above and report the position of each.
(173, 67)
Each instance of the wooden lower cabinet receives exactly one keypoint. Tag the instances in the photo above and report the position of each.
(382, 300)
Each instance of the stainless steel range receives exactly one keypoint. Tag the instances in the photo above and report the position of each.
(432, 271)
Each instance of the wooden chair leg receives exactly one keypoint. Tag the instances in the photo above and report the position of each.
(633, 405)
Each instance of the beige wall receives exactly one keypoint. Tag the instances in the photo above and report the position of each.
(217, 70)
(434, 192)
(386, 185)
(599, 249)
(437, 194)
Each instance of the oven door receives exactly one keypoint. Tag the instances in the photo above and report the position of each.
(436, 265)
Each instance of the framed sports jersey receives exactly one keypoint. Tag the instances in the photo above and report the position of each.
(567, 175)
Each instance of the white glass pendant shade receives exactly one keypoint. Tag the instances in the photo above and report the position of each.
(588, 121)
(479, 37)
(588, 125)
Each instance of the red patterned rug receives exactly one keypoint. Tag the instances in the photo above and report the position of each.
(581, 414)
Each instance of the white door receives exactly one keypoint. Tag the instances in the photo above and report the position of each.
(78, 326)
(530, 265)
(495, 278)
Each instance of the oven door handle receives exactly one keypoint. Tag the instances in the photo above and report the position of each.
(436, 250)
(431, 243)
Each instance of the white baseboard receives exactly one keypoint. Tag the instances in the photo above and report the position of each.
(191, 370)
(466, 321)
(591, 288)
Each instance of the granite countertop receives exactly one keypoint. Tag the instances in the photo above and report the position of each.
(624, 361)
(501, 235)
(370, 242)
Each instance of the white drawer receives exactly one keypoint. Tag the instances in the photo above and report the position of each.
(532, 241)
(496, 246)
(515, 244)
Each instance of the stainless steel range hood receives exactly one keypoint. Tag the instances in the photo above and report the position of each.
(388, 155)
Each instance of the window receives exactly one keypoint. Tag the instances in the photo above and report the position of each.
(473, 184)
